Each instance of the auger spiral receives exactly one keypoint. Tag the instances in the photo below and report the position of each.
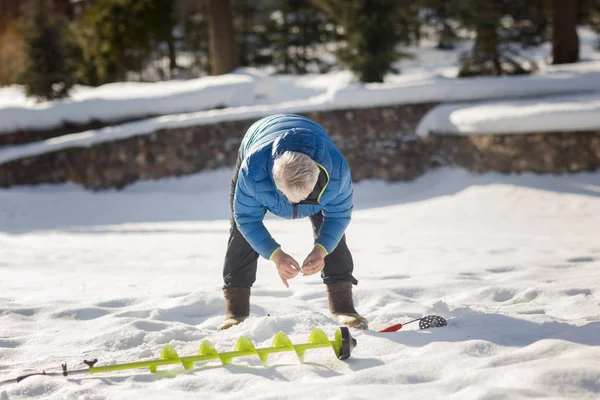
(342, 345)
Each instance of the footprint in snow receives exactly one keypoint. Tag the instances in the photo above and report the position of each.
(499, 295)
(575, 292)
(272, 293)
(537, 311)
(9, 343)
(149, 326)
(26, 312)
(389, 277)
(81, 314)
(580, 259)
(500, 270)
(501, 251)
(134, 314)
(117, 303)
(409, 292)
(469, 275)
(311, 295)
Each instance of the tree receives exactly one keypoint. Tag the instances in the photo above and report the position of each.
(565, 42)
(438, 14)
(249, 18)
(372, 31)
(194, 38)
(114, 39)
(46, 75)
(221, 36)
(191, 38)
(503, 28)
(583, 10)
(12, 54)
(593, 17)
(161, 23)
(290, 38)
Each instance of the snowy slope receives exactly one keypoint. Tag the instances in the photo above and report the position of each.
(511, 261)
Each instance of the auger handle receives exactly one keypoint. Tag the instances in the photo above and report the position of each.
(20, 378)
(348, 344)
(391, 328)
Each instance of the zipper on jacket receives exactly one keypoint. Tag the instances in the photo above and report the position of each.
(295, 211)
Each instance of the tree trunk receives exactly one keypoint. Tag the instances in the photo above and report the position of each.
(487, 45)
(222, 37)
(485, 58)
(583, 11)
(565, 42)
(63, 7)
(172, 54)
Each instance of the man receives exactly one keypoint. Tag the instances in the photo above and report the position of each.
(289, 165)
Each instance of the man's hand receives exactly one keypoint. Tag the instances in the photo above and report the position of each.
(314, 262)
(287, 267)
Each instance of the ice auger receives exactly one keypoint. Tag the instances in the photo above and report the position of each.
(342, 345)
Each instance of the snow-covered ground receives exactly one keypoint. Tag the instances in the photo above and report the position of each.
(511, 261)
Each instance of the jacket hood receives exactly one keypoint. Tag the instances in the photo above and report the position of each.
(304, 141)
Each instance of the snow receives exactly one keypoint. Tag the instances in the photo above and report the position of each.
(510, 261)
(248, 90)
(561, 113)
(124, 100)
(561, 97)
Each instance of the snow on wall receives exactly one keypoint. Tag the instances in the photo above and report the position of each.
(245, 88)
(119, 101)
(447, 90)
(564, 113)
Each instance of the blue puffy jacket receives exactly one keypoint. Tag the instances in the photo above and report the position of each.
(255, 191)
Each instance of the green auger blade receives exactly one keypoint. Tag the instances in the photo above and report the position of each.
(342, 346)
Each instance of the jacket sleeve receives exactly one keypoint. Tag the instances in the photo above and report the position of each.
(249, 214)
(336, 216)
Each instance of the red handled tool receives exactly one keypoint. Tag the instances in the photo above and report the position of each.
(429, 321)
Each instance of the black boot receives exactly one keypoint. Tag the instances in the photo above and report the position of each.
(341, 306)
(237, 306)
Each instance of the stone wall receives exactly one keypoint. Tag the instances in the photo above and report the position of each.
(551, 153)
(378, 143)
(29, 136)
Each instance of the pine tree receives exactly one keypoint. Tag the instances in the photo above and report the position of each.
(593, 17)
(293, 36)
(584, 10)
(161, 22)
(194, 42)
(117, 39)
(247, 27)
(46, 75)
(565, 41)
(438, 14)
(503, 28)
(223, 55)
(372, 31)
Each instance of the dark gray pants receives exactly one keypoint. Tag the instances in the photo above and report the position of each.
(240, 265)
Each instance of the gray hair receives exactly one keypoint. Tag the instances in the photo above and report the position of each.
(295, 175)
